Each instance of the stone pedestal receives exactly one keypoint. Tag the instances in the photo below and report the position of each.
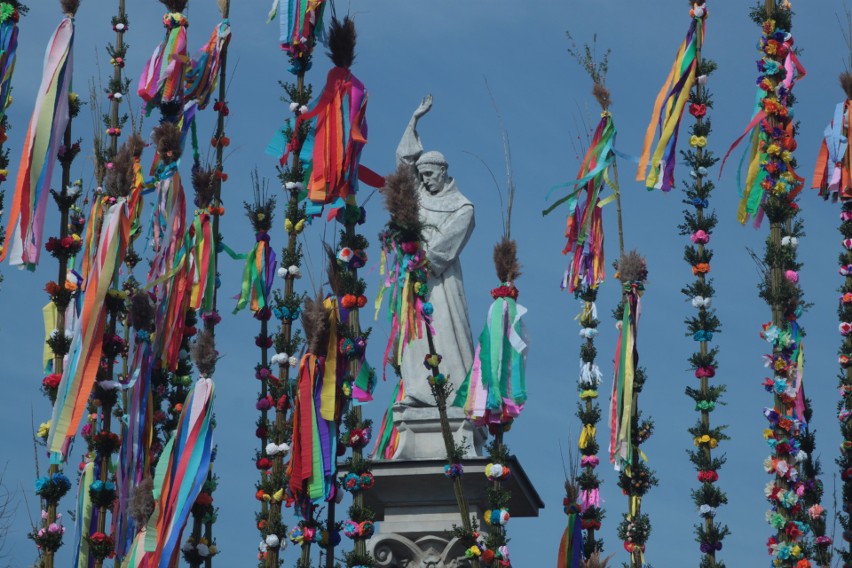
(416, 509)
(420, 432)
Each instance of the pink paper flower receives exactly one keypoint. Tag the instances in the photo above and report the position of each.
(699, 237)
(792, 276)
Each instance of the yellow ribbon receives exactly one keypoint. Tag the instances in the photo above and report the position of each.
(590, 393)
(328, 397)
(587, 436)
(49, 312)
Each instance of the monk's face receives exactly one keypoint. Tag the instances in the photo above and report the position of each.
(433, 176)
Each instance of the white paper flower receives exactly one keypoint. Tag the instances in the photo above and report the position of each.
(294, 107)
(120, 27)
(707, 510)
(262, 546)
(272, 541)
(290, 186)
(702, 79)
(698, 11)
(295, 271)
(187, 546)
(203, 550)
(294, 362)
(303, 109)
(282, 272)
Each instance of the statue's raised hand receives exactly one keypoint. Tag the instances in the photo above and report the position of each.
(425, 106)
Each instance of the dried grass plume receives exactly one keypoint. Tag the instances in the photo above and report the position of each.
(602, 95)
(595, 561)
(141, 505)
(402, 200)
(315, 324)
(335, 280)
(141, 312)
(121, 177)
(202, 183)
(175, 5)
(506, 260)
(341, 42)
(167, 139)
(632, 267)
(69, 6)
(846, 83)
(204, 353)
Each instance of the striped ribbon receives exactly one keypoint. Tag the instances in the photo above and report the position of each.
(621, 402)
(162, 79)
(571, 545)
(405, 308)
(338, 120)
(387, 440)
(831, 174)
(41, 147)
(204, 280)
(258, 275)
(84, 356)
(300, 23)
(494, 390)
(134, 457)
(181, 473)
(668, 111)
(203, 75)
(312, 464)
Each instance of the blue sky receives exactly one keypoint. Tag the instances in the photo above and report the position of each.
(448, 48)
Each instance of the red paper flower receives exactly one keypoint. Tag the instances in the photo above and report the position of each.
(697, 110)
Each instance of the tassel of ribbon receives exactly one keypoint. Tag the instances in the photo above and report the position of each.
(8, 55)
(41, 148)
(310, 463)
(761, 132)
(162, 79)
(584, 227)
(203, 75)
(621, 403)
(171, 273)
(834, 163)
(300, 23)
(258, 275)
(668, 111)
(204, 281)
(571, 545)
(134, 459)
(388, 438)
(181, 473)
(405, 307)
(494, 390)
(338, 119)
(84, 356)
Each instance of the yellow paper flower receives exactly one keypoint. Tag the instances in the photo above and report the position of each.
(44, 430)
(589, 394)
(278, 496)
(767, 434)
(773, 149)
(698, 141)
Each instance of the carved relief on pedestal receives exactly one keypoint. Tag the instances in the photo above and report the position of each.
(397, 551)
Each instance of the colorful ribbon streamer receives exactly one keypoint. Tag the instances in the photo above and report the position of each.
(203, 75)
(181, 473)
(162, 79)
(258, 275)
(584, 227)
(571, 545)
(621, 402)
(668, 111)
(494, 391)
(300, 23)
(831, 174)
(41, 147)
(312, 464)
(405, 308)
(84, 356)
(388, 439)
(338, 121)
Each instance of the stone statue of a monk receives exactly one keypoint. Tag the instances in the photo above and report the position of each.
(448, 219)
